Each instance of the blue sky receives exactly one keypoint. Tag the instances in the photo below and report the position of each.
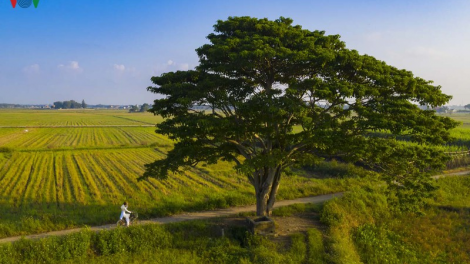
(106, 51)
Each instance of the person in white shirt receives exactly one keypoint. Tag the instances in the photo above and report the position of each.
(125, 213)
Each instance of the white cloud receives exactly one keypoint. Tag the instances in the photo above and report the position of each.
(31, 69)
(119, 67)
(72, 66)
(169, 66)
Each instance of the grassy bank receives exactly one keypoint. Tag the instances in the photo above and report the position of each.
(363, 228)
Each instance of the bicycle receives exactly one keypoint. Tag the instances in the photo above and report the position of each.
(132, 220)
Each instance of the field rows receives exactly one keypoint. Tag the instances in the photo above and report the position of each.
(54, 190)
(61, 177)
(462, 135)
(56, 138)
(96, 177)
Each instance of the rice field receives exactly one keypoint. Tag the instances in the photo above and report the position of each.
(79, 137)
(88, 186)
(47, 118)
(97, 177)
(53, 190)
(62, 169)
(461, 133)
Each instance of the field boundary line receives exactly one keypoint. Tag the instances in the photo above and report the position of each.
(76, 126)
(91, 149)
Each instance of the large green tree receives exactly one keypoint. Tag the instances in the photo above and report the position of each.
(269, 95)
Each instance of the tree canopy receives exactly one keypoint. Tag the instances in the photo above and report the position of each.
(276, 95)
(68, 104)
(145, 107)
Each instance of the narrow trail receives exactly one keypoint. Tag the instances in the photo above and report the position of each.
(458, 173)
(184, 217)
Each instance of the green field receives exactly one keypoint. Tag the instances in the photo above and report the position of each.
(54, 177)
(75, 168)
(360, 227)
(78, 137)
(34, 118)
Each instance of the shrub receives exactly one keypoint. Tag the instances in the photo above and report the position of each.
(316, 249)
(298, 249)
(378, 244)
(49, 250)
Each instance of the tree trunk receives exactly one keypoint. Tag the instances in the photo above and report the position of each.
(266, 187)
(261, 205)
(273, 192)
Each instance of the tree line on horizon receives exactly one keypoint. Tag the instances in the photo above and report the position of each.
(143, 108)
(69, 104)
(72, 104)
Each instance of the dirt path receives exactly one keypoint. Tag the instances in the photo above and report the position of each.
(458, 173)
(184, 217)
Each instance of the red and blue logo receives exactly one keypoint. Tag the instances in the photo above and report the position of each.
(24, 3)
